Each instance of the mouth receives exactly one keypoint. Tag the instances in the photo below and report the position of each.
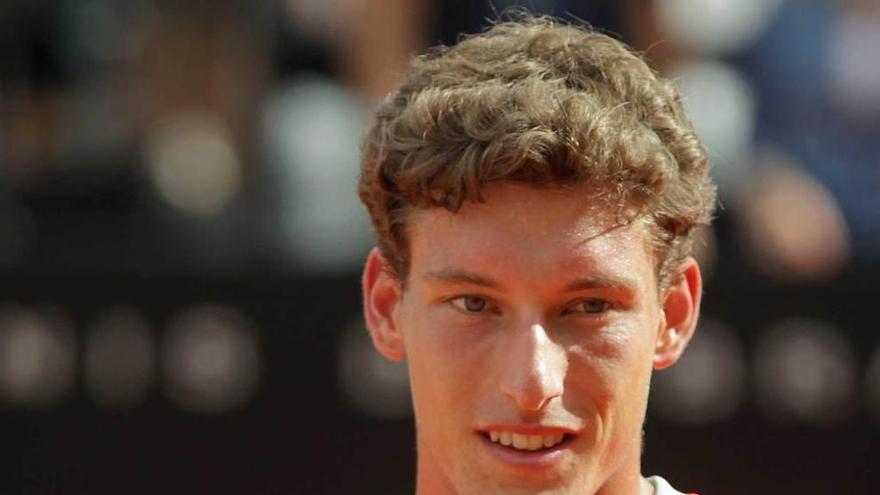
(529, 446)
(528, 450)
(522, 442)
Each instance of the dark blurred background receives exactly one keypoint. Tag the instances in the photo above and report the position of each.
(181, 243)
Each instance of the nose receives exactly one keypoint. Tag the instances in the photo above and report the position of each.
(535, 369)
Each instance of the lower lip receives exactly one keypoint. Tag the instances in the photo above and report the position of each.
(527, 459)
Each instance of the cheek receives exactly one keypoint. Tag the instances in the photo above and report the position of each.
(445, 363)
(612, 365)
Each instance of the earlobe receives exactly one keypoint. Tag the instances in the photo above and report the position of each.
(382, 294)
(681, 310)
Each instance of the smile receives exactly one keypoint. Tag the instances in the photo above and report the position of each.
(520, 441)
(528, 448)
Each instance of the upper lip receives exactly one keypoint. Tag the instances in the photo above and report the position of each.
(528, 429)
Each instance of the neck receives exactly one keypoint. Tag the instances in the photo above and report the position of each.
(627, 479)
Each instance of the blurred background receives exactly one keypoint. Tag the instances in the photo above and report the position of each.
(181, 243)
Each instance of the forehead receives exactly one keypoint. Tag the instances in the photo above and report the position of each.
(526, 230)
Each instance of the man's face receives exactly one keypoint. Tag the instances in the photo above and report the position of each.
(529, 323)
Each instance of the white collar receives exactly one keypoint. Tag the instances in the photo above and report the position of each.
(662, 487)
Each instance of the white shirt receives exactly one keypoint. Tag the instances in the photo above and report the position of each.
(662, 487)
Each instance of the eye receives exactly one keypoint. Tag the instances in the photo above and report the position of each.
(591, 306)
(471, 304)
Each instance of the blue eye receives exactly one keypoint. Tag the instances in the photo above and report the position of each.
(475, 304)
(471, 304)
(592, 306)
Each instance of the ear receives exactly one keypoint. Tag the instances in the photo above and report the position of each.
(681, 309)
(382, 295)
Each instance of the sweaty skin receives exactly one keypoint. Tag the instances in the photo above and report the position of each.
(535, 313)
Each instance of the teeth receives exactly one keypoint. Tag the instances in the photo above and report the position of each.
(525, 442)
(520, 441)
(535, 442)
(505, 438)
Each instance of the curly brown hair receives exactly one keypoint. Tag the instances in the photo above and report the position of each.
(544, 102)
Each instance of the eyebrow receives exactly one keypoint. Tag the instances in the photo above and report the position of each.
(603, 282)
(462, 277)
(454, 276)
